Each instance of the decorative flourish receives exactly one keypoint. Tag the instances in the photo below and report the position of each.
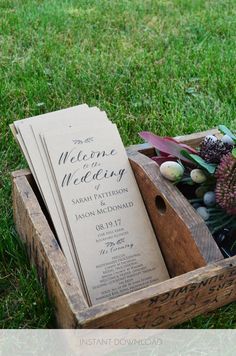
(80, 142)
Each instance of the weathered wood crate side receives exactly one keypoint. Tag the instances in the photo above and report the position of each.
(45, 253)
(159, 306)
(169, 303)
(185, 240)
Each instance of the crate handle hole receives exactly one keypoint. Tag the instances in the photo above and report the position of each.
(160, 204)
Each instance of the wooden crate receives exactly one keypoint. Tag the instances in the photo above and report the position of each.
(201, 279)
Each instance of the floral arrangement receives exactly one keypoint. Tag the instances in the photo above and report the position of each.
(207, 177)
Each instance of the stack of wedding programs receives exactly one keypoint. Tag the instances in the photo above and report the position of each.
(83, 173)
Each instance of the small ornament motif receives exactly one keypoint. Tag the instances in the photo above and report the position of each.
(80, 142)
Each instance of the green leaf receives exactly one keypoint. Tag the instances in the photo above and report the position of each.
(226, 131)
(209, 167)
(234, 152)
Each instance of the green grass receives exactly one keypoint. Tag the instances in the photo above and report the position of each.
(164, 66)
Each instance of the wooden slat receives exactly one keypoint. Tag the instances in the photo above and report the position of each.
(45, 253)
(192, 140)
(168, 303)
(195, 139)
(158, 306)
(184, 238)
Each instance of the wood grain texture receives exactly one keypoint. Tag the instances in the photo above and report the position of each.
(45, 253)
(193, 291)
(158, 306)
(184, 238)
(195, 139)
(168, 303)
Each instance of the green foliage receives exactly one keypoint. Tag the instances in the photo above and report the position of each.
(161, 66)
(226, 131)
(209, 167)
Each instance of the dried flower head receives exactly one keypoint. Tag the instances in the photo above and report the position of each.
(226, 184)
(213, 150)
